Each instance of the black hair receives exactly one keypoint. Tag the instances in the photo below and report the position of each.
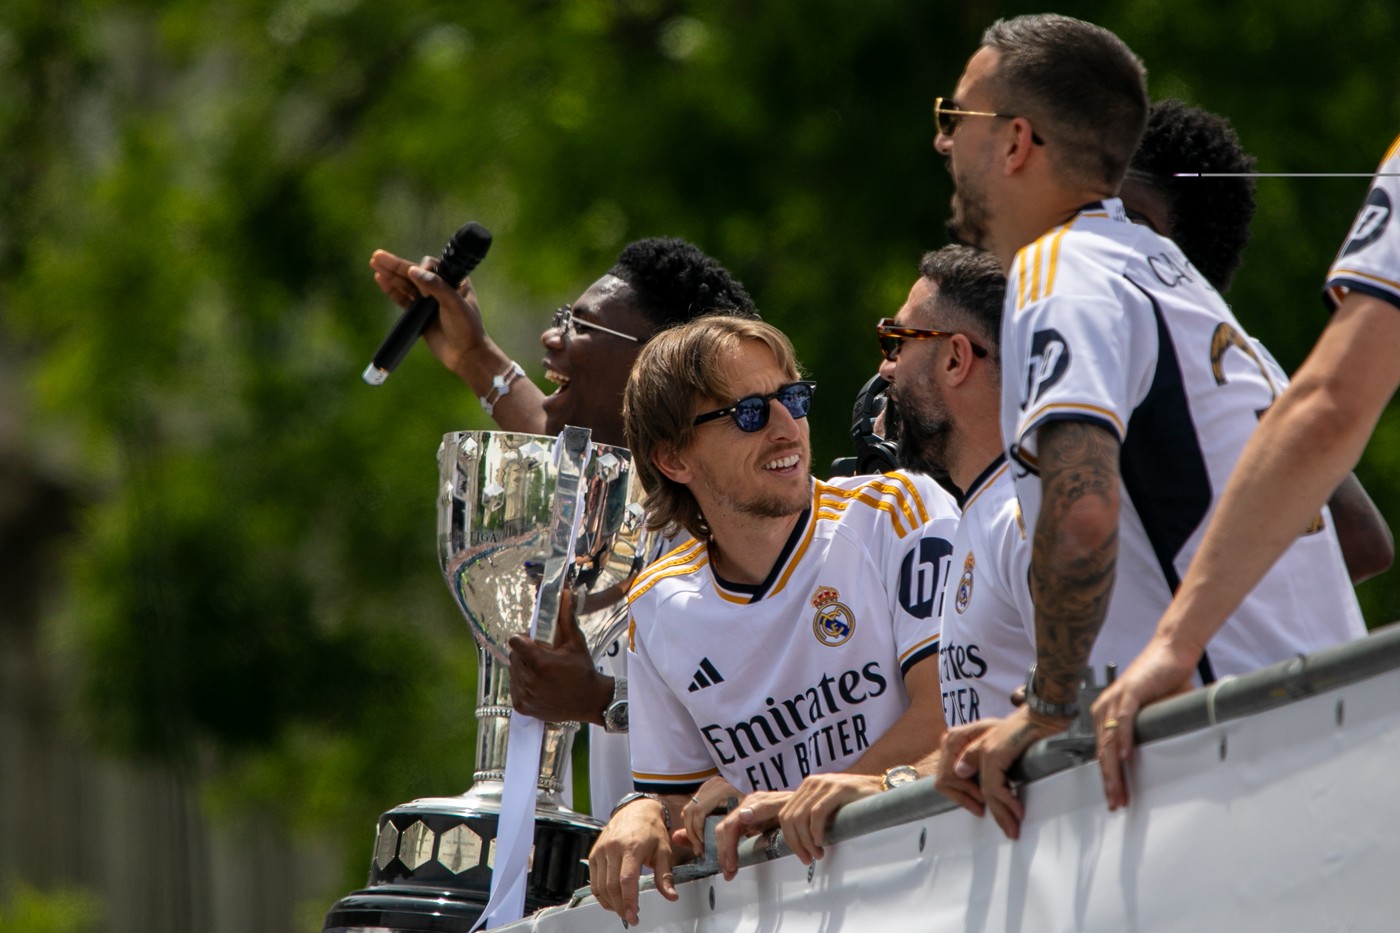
(1209, 217)
(672, 281)
(1079, 83)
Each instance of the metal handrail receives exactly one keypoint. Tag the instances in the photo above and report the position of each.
(1227, 699)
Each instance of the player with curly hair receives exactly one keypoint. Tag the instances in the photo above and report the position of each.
(1207, 217)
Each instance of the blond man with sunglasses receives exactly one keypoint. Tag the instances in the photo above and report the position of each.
(789, 643)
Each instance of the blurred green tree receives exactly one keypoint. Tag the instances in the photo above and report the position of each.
(189, 193)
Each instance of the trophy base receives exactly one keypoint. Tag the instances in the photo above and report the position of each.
(433, 860)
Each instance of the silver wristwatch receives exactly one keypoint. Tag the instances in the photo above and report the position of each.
(615, 713)
(1044, 707)
(897, 776)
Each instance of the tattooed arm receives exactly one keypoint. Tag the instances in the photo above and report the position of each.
(1074, 554)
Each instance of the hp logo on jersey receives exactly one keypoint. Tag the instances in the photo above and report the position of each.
(1048, 362)
(833, 624)
(1370, 223)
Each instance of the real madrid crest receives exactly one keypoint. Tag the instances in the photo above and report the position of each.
(965, 585)
(834, 623)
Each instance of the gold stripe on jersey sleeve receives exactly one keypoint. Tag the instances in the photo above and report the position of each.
(887, 508)
(1370, 277)
(684, 553)
(915, 649)
(860, 494)
(1035, 269)
(900, 500)
(674, 778)
(1033, 254)
(1071, 406)
(655, 578)
(1055, 256)
(910, 492)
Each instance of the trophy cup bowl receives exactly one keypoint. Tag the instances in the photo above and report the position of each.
(498, 524)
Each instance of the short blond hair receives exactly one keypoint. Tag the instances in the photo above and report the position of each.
(675, 370)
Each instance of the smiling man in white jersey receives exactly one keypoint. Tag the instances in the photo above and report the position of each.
(1128, 388)
(794, 633)
(1311, 438)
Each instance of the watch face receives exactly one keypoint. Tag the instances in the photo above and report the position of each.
(900, 774)
(615, 717)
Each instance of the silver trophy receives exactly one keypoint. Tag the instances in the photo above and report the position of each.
(508, 506)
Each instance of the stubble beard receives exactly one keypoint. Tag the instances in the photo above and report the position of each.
(767, 505)
(924, 436)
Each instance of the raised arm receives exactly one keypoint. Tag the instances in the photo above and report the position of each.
(458, 338)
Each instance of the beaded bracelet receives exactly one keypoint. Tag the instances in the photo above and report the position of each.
(500, 387)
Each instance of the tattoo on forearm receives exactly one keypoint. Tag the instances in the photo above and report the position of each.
(1071, 577)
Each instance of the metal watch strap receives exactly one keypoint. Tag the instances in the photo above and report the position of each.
(634, 796)
(615, 713)
(1044, 707)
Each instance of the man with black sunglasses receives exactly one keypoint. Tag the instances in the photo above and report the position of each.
(1128, 387)
(789, 643)
(589, 348)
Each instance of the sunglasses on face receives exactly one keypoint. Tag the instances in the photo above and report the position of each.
(567, 325)
(947, 115)
(750, 413)
(892, 336)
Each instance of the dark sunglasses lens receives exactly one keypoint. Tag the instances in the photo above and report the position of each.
(751, 413)
(797, 399)
(889, 346)
(947, 122)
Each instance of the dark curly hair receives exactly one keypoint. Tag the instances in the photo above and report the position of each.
(674, 281)
(1209, 217)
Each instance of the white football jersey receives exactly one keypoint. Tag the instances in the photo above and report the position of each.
(1107, 322)
(1369, 260)
(988, 623)
(802, 673)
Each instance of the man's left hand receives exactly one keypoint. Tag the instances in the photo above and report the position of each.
(995, 752)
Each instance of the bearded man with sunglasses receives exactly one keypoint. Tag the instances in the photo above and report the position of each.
(789, 644)
(589, 348)
(1128, 390)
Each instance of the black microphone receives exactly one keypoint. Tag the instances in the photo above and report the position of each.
(463, 252)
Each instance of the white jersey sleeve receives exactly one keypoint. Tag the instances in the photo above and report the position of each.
(1068, 328)
(659, 720)
(917, 565)
(1369, 260)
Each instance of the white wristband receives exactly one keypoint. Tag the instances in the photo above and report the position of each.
(500, 387)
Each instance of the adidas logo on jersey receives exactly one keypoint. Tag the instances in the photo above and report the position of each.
(707, 676)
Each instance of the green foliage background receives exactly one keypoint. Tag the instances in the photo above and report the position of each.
(189, 193)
